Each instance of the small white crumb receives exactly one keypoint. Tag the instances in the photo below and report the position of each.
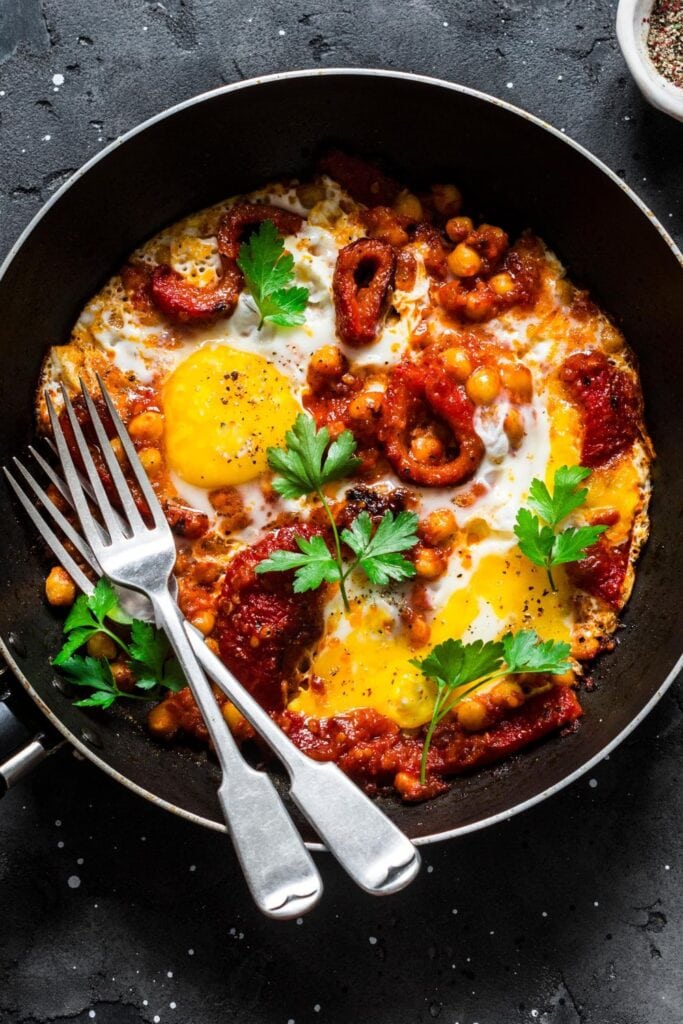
(445, 24)
(144, 1002)
(92, 1014)
(80, 861)
(299, 920)
(73, 881)
(454, 911)
(58, 822)
(544, 913)
(58, 79)
(172, 1006)
(372, 940)
(667, 867)
(144, 28)
(281, 32)
(430, 868)
(593, 783)
(316, 1008)
(46, 138)
(193, 867)
(190, 952)
(509, 85)
(3, 93)
(595, 903)
(559, 78)
(169, 974)
(156, 1018)
(60, 845)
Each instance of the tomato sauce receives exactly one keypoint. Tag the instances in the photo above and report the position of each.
(610, 406)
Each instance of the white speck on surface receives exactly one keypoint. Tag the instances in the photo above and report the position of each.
(291, 1019)
(595, 903)
(169, 974)
(299, 920)
(3, 93)
(454, 911)
(544, 913)
(92, 1014)
(60, 845)
(172, 1006)
(46, 138)
(534, 1013)
(58, 823)
(80, 861)
(445, 24)
(58, 79)
(144, 1002)
(667, 867)
(156, 1018)
(281, 32)
(316, 1008)
(559, 78)
(193, 867)
(593, 783)
(509, 85)
(372, 940)
(430, 868)
(73, 881)
(190, 952)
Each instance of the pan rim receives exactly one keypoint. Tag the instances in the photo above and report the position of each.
(302, 73)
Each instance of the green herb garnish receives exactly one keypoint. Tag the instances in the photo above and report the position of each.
(454, 665)
(538, 535)
(308, 463)
(269, 271)
(147, 652)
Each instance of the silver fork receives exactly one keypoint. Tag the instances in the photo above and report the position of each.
(278, 868)
(373, 851)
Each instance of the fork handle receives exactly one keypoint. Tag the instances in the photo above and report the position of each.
(367, 844)
(278, 868)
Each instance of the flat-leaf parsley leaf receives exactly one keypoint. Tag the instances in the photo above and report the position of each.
(268, 272)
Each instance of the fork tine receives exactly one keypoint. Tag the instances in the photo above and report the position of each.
(71, 474)
(61, 486)
(50, 537)
(134, 461)
(65, 526)
(119, 480)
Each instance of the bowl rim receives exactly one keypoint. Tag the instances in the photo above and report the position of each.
(305, 73)
(656, 89)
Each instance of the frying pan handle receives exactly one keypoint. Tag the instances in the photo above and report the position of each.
(21, 747)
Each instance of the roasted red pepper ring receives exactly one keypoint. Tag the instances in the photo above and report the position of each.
(188, 303)
(362, 278)
(411, 388)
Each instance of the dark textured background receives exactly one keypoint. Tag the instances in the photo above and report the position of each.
(113, 911)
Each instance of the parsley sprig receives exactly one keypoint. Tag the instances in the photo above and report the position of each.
(459, 669)
(538, 535)
(269, 271)
(147, 652)
(304, 467)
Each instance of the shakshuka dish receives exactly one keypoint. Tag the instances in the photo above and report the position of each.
(404, 459)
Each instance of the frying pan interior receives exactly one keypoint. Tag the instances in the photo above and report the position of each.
(514, 172)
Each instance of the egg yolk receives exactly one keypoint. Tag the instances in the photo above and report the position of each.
(224, 409)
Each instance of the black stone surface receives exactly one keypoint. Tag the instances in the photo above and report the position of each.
(113, 911)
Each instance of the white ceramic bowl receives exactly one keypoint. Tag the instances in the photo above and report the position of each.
(632, 28)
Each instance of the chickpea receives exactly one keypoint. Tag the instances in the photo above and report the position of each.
(117, 449)
(457, 362)
(507, 694)
(123, 677)
(472, 715)
(502, 284)
(447, 199)
(366, 407)
(227, 501)
(151, 460)
(327, 364)
(483, 385)
(204, 621)
(480, 304)
(233, 717)
(409, 206)
(310, 193)
(101, 646)
(513, 426)
(518, 380)
(60, 589)
(162, 721)
(429, 563)
(458, 228)
(147, 426)
(426, 448)
(420, 631)
(439, 527)
(464, 261)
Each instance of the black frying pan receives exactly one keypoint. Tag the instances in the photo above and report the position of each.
(513, 169)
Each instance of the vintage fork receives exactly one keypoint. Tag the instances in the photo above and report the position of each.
(278, 868)
(367, 844)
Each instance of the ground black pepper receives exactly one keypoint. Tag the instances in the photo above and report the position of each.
(665, 39)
